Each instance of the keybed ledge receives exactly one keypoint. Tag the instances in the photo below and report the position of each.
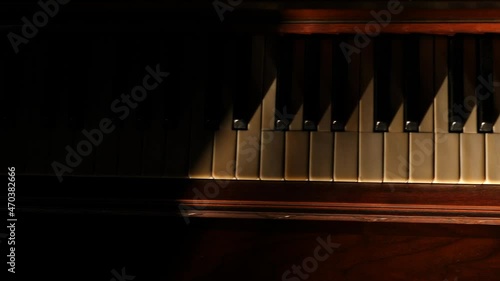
(372, 202)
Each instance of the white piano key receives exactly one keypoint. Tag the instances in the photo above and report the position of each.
(472, 152)
(296, 140)
(396, 157)
(421, 157)
(321, 141)
(201, 141)
(396, 146)
(248, 143)
(447, 158)
(177, 139)
(296, 155)
(446, 145)
(224, 151)
(371, 145)
(272, 144)
(421, 144)
(272, 155)
(321, 156)
(345, 154)
(345, 165)
(492, 158)
(472, 158)
(371, 157)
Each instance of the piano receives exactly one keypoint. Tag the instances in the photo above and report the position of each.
(241, 133)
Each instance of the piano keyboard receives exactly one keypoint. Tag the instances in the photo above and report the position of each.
(404, 108)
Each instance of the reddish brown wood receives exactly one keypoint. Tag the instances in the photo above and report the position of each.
(413, 203)
(260, 250)
(398, 28)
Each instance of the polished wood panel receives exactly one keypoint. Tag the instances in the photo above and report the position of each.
(387, 202)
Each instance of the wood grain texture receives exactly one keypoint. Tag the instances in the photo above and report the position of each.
(413, 203)
(150, 248)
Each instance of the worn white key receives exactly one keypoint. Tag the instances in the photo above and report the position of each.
(421, 144)
(492, 158)
(296, 140)
(321, 141)
(345, 165)
(472, 156)
(248, 143)
(272, 155)
(371, 145)
(446, 145)
(396, 148)
(345, 155)
(201, 142)
(472, 152)
(321, 156)
(447, 158)
(421, 158)
(177, 140)
(396, 157)
(297, 155)
(272, 146)
(224, 151)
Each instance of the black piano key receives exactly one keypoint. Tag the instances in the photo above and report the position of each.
(311, 83)
(241, 86)
(215, 74)
(411, 82)
(284, 82)
(382, 83)
(485, 90)
(340, 93)
(456, 83)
